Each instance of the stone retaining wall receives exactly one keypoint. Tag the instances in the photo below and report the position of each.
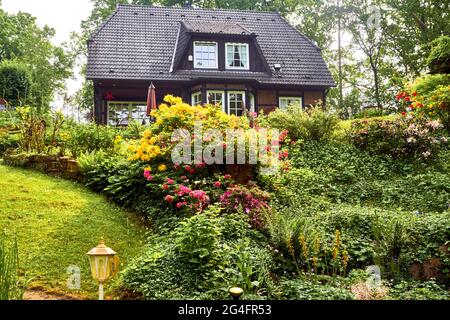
(56, 166)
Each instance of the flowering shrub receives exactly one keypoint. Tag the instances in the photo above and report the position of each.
(407, 137)
(428, 96)
(156, 142)
(192, 187)
(178, 123)
(251, 200)
(195, 194)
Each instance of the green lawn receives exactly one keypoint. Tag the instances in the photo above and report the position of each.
(56, 223)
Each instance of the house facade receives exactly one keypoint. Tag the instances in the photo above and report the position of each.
(242, 60)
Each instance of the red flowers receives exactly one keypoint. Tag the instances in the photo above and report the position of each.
(284, 154)
(201, 165)
(190, 170)
(217, 184)
(227, 177)
(401, 95)
(404, 114)
(148, 174)
(283, 135)
(169, 199)
(181, 204)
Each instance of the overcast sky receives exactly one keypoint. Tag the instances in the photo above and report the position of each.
(63, 15)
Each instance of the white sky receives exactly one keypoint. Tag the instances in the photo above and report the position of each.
(64, 16)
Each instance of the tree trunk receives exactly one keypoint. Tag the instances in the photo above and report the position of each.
(377, 85)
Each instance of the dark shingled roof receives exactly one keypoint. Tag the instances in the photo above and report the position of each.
(144, 42)
(215, 27)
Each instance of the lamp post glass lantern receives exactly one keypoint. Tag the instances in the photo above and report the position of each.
(104, 264)
(236, 293)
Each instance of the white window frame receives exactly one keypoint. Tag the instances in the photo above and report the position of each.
(247, 65)
(300, 99)
(206, 43)
(216, 91)
(228, 100)
(252, 101)
(193, 97)
(129, 103)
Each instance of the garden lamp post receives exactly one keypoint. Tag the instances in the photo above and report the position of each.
(236, 293)
(104, 265)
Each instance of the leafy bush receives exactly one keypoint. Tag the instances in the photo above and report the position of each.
(369, 113)
(15, 83)
(197, 239)
(389, 239)
(8, 141)
(327, 173)
(404, 138)
(414, 290)
(84, 138)
(89, 160)
(161, 274)
(9, 119)
(312, 289)
(439, 59)
(313, 124)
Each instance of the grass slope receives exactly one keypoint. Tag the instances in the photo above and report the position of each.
(56, 223)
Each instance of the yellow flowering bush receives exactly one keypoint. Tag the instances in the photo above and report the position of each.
(175, 114)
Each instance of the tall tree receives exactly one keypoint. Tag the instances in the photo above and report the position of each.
(24, 41)
(364, 23)
(411, 25)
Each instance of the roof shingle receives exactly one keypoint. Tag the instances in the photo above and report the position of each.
(138, 43)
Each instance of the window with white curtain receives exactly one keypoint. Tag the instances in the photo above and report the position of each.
(237, 56)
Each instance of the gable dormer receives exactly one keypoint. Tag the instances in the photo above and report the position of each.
(219, 46)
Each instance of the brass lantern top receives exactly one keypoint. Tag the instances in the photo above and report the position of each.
(236, 292)
(102, 250)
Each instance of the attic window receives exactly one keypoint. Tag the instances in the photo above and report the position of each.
(205, 55)
(237, 56)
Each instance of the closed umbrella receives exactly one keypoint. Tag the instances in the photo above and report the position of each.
(151, 99)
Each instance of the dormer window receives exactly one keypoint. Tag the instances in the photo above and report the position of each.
(205, 55)
(237, 56)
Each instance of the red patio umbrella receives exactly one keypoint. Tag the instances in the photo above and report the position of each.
(151, 99)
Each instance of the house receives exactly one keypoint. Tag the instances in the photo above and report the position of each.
(242, 60)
